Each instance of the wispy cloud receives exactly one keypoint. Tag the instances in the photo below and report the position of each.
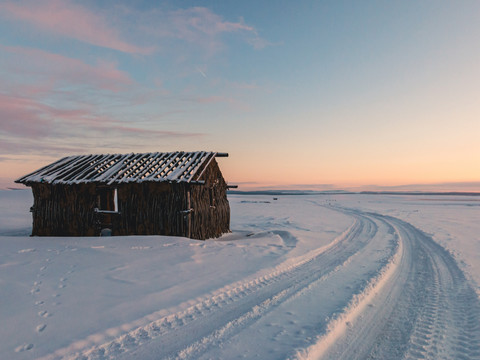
(57, 99)
(23, 117)
(29, 126)
(56, 69)
(107, 28)
(193, 23)
(50, 101)
(35, 148)
(67, 19)
(197, 26)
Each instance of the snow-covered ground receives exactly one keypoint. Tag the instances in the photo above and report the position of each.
(301, 277)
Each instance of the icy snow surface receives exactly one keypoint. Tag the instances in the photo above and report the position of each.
(301, 277)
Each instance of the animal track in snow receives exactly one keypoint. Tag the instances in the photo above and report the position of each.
(43, 313)
(41, 327)
(24, 347)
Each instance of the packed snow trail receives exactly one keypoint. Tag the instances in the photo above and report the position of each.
(212, 322)
(382, 289)
(428, 310)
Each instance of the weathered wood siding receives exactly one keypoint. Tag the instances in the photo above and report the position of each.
(211, 215)
(150, 209)
(60, 210)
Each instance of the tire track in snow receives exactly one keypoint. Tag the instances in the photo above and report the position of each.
(428, 311)
(422, 307)
(448, 321)
(299, 280)
(190, 332)
(319, 289)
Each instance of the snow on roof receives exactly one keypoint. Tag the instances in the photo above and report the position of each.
(123, 168)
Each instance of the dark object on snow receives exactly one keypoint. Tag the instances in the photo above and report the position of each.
(177, 193)
(106, 232)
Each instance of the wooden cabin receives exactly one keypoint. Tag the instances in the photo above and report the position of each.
(174, 193)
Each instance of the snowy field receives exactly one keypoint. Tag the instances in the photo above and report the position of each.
(301, 277)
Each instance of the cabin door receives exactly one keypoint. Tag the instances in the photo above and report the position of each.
(107, 207)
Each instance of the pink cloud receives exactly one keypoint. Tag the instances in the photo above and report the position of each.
(195, 25)
(30, 119)
(21, 116)
(32, 146)
(67, 19)
(57, 68)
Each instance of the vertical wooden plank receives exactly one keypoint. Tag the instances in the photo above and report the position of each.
(189, 215)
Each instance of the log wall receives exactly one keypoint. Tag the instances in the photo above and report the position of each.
(211, 215)
(149, 208)
(60, 210)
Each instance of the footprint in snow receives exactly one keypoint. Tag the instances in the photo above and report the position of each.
(36, 287)
(41, 327)
(34, 290)
(43, 313)
(24, 347)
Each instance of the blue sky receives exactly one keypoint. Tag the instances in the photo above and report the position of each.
(343, 93)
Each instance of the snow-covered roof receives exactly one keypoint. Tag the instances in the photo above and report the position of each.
(123, 168)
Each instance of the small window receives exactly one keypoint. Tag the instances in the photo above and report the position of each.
(107, 199)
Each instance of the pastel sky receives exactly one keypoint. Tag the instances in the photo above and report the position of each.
(307, 94)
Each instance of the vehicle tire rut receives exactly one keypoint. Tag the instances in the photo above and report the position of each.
(219, 317)
(435, 315)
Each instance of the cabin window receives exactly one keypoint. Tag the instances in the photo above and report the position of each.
(107, 199)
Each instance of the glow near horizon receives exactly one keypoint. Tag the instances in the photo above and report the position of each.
(326, 93)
